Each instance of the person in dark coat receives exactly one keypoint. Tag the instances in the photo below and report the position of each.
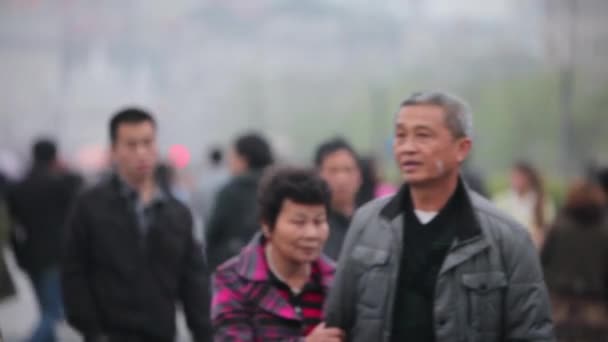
(575, 261)
(3, 185)
(367, 190)
(131, 252)
(338, 164)
(603, 179)
(234, 220)
(7, 286)
(39, 206)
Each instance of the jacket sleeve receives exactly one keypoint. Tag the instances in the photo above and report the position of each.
(79, 304)
(221, 211)
(195, 292)
(218, 223)
(340, 304)
(527, 306)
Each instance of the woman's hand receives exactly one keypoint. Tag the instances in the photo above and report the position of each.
(321, 333)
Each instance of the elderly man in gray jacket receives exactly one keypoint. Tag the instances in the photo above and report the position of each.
(437, 262)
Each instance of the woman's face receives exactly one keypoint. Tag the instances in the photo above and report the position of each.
(519, 181)
(300, 231)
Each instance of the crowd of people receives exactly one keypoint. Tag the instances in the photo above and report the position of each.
(266, 251)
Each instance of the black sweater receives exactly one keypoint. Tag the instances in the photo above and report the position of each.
(425, 247)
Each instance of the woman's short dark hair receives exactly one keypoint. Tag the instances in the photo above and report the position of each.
(255, 150)
(300, 185)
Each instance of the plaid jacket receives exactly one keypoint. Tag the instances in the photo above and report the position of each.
(247, 307)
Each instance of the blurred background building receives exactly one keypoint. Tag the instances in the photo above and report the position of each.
(532, 70)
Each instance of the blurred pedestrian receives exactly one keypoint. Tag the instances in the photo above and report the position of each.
(575, 260)
(437, 262)
(527, 201)
(367, 190)
(233, 221)
(131, 253)
(212, 179)
(475, 179)
(168, 180)
(338, 164)
(7, 286)
(373, 186)
(39, 206)
(3, 185)
(603, 179)
(275, 288)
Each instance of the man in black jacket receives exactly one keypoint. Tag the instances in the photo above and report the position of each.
(39, 206)
(131, 253)
(234, 219)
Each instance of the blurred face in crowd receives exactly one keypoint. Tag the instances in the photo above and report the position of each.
(236, 163)
(135, 151)
(299, 233)
(424, 147)
(341, 171)
(520, 181)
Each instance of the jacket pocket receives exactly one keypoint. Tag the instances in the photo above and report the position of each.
(374, 280)
(485, 292)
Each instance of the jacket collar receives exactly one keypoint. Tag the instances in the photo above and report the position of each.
(468, 225)
(127, 192)
(469, 235)
(252, 266)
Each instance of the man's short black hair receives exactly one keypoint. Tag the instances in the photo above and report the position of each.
(44, 151)
(131, 115)
(300, 185)
(331, 146)
(255, 150)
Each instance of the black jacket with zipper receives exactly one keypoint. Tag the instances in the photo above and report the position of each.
(118, 281)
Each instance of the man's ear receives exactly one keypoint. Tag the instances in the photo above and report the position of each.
(464, 148)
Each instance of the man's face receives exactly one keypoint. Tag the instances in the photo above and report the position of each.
(236, 163)
(341, 171)
(425, 149)
(134, 151)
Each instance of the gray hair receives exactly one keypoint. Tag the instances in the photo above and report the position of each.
(458, 115)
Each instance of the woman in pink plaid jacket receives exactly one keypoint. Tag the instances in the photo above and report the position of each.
(275, 288)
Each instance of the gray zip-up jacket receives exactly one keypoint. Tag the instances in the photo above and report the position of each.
(490, 286)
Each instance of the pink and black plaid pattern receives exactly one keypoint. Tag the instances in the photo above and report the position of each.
(247, 306)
